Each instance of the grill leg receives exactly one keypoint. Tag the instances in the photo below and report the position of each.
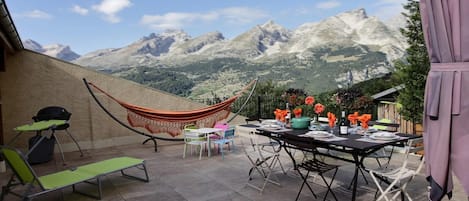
(71, 136)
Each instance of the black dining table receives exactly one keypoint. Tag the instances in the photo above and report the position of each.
(358, 149)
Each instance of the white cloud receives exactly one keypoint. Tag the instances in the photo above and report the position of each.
(242, 15)
(110, 8)
(37, 14)
(173, 20)
(386, 9)
(395, 2)
(79, 10)
(387, 12)
(328, 4)
(303, 11)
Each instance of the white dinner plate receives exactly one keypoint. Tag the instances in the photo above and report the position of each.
(385, 138)
(271, 126)
(319, 134)
(384, 134)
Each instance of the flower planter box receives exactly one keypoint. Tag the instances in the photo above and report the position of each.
(300, 123)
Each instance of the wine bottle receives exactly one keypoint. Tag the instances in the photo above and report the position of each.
(343, 127)
(288, 117)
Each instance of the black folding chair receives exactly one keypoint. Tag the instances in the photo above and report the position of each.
(314, 165)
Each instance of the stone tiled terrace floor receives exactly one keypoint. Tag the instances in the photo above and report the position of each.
(173, 178)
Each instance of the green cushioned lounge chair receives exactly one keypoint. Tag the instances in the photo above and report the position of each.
(39, 185)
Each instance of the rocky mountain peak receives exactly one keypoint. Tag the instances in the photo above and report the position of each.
(271, 25)
(60, 51)
(354, 17)
(177, 34)
(33, 45)
(149, 37)
(54, 50)
(197, 44)
(357, 14)
(215, 34)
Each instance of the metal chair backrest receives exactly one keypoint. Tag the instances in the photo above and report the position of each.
(229, 133)
(188, 127)
(297, 142)
(223, 126)
(413, 146)
(18, 164)
(386, 125)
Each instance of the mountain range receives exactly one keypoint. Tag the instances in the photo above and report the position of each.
(55, 50)
(339, 50)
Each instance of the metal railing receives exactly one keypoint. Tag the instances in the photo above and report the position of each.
(263, 107)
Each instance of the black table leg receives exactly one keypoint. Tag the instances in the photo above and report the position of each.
(355, 177)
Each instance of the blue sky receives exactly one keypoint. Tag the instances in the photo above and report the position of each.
(96, 24)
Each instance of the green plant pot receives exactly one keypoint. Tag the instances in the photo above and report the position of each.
(300, 123)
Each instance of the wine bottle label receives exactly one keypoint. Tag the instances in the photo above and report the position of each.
(343, 130)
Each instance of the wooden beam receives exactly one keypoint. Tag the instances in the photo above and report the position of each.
(6, 43)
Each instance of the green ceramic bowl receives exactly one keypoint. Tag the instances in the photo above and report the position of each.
(300, 123)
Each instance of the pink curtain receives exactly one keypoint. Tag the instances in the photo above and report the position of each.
(446, 116)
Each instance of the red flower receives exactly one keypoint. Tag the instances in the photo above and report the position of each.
(309, 100)
(318, 108)
(297, 112)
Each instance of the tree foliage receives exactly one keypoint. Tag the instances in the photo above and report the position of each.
(269, 94)
(412, 72)
(169, 81)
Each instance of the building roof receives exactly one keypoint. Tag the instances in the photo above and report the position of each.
(9, 36)
(385, 93)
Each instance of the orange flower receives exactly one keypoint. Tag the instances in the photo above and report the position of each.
(318, 108)
(297, 111)
(331, 117)
(309, 100)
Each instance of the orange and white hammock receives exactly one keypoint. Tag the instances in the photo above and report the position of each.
(172, 122)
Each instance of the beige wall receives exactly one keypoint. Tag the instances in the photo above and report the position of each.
(33, 81)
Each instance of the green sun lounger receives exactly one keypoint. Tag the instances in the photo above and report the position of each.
(90, 173)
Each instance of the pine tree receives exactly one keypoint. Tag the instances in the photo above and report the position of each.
(412, 72)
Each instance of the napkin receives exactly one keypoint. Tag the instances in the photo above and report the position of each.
(353, 118)
(364, 119)
(331, 117)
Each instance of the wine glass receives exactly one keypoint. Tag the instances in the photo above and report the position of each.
(331, 127)
(365, 129)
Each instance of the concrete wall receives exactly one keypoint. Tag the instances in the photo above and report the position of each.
(33, 81)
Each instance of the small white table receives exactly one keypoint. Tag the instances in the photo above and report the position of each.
(206, 132)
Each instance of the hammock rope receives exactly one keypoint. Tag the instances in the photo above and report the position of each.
(171, 122)
(246, 101)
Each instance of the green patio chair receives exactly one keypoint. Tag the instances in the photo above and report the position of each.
(36, 185)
